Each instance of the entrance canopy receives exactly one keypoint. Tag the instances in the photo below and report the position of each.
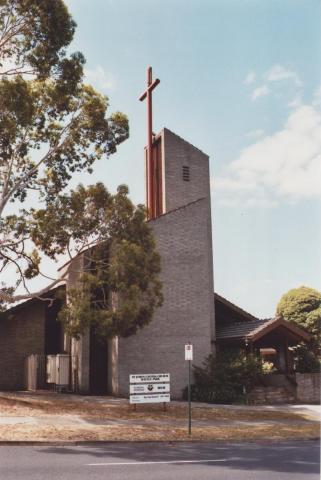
(264, 333)
(263, 336)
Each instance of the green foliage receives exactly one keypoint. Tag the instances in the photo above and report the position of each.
(224, 377)
(119, 289)
(52, 125)
(33, 36)
(305, 361)
(302, 306)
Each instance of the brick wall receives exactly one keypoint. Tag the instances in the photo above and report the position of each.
(184, 242)
(176, 154)
(303, 388)
(308, 387)
(20, 336)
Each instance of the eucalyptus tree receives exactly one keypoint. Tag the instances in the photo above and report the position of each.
(53, 125)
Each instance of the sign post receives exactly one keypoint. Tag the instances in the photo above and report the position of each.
(189, 358)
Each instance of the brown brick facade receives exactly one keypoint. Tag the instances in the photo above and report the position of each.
(308, 387)
(20, 336)
(184, 241)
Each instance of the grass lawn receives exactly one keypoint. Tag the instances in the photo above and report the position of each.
(286, 425)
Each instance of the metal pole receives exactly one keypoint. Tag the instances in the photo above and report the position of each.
(189, 400)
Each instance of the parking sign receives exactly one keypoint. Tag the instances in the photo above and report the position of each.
(188, 352)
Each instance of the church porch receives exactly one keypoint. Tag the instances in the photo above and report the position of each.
(272, 339)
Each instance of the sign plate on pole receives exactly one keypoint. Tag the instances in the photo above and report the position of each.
(189, 352)
(152, 378)
(156, 398)
(149, 388)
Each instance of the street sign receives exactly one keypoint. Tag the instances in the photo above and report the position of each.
(189, 358)
(155, 398)
(150, 378)
(149, 388)
(189, 352)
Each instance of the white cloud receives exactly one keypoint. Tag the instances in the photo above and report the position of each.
(285, 165)
(99, 78)
(279, 73)
(250, 78)
(260, 92)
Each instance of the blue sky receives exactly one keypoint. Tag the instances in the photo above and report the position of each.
(241, 81)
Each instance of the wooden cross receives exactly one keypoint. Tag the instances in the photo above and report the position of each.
(150, 170)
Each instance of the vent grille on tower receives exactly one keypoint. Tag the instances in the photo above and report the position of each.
(186, 175)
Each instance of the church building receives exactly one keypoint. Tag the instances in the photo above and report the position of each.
(179, 212)
(181, 223)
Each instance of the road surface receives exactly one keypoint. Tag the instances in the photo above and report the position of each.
(163, 461)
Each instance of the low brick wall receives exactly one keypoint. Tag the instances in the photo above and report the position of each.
(308, 387)
(279, 388)
(270, 395)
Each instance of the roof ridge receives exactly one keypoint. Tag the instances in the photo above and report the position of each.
(236, 307)
(176, 209)
(183, 140)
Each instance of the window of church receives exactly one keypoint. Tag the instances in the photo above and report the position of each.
(186, 174)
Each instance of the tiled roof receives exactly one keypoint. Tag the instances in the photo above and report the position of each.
(241, 329)
(257, 329)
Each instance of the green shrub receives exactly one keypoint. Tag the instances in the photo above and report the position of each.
(225, 378)
(305, 360)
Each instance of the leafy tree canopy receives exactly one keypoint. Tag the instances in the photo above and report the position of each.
(302, 306)
(117, 287)
(305, 360)
(33, 37)
(52, 125)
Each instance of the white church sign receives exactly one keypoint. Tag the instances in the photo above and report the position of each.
(149, 388)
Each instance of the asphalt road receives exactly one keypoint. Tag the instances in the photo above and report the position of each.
(163, 461)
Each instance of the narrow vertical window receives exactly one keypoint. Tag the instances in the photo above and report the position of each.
(186, 174)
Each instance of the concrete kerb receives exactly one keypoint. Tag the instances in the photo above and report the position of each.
(96, 443)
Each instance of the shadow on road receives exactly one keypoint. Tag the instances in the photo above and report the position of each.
(291, 457)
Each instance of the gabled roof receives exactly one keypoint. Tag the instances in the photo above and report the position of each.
(227, 303)
(27, 303)
(279, 322)
(256, 329)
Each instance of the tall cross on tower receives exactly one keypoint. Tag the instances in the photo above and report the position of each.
(150, 167)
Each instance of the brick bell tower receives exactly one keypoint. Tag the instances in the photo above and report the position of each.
(179, 214)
